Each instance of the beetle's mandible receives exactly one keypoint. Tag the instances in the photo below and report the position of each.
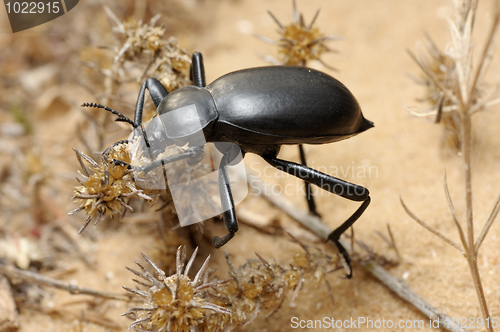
(258, 110)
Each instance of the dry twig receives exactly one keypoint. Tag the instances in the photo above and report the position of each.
(70, 287)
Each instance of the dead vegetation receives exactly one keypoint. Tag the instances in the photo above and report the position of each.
(39, 248)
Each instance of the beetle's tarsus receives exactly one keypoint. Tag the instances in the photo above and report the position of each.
(194, 152)
(347, 259)
(335, 235)
(220, 241)
(332, 184)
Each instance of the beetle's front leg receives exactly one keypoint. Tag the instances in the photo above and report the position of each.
(189, 154)
(197, 71)
(157, 92)
(227, 203)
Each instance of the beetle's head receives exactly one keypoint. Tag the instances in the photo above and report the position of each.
(187, 115)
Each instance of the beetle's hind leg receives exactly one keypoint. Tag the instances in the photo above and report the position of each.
(326, 182)
(227, 202)
(334, 185)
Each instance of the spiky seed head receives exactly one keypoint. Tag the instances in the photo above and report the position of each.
(300, 43)
(177, 303)
(104, 192)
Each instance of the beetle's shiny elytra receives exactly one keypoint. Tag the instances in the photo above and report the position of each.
(258, 110)
(262, 108)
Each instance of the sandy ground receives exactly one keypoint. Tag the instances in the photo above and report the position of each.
(401, 157)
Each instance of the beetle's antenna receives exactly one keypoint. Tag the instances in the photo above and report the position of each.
(121, 117)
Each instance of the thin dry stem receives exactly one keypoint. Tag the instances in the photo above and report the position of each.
(454, 215)
(486, 55)
(462, 45)
(429, 228)
(70, 287)
(489, 222)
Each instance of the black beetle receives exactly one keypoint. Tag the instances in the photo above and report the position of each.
(259, 110)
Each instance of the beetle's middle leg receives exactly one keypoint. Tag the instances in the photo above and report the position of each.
(227, 202)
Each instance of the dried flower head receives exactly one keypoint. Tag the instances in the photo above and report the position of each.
(438, 76)
(141, 37)
(107, 186)
(177, 302)
(299, 43)
(260, 286)
(144, 43)
(455, 88)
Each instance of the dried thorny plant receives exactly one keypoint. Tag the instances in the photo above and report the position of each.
(140, 51)
(441, 107)
(299, 43)
(144, 44)
(176, 303)
(179, 303)
(107, 186)
(464, 98)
